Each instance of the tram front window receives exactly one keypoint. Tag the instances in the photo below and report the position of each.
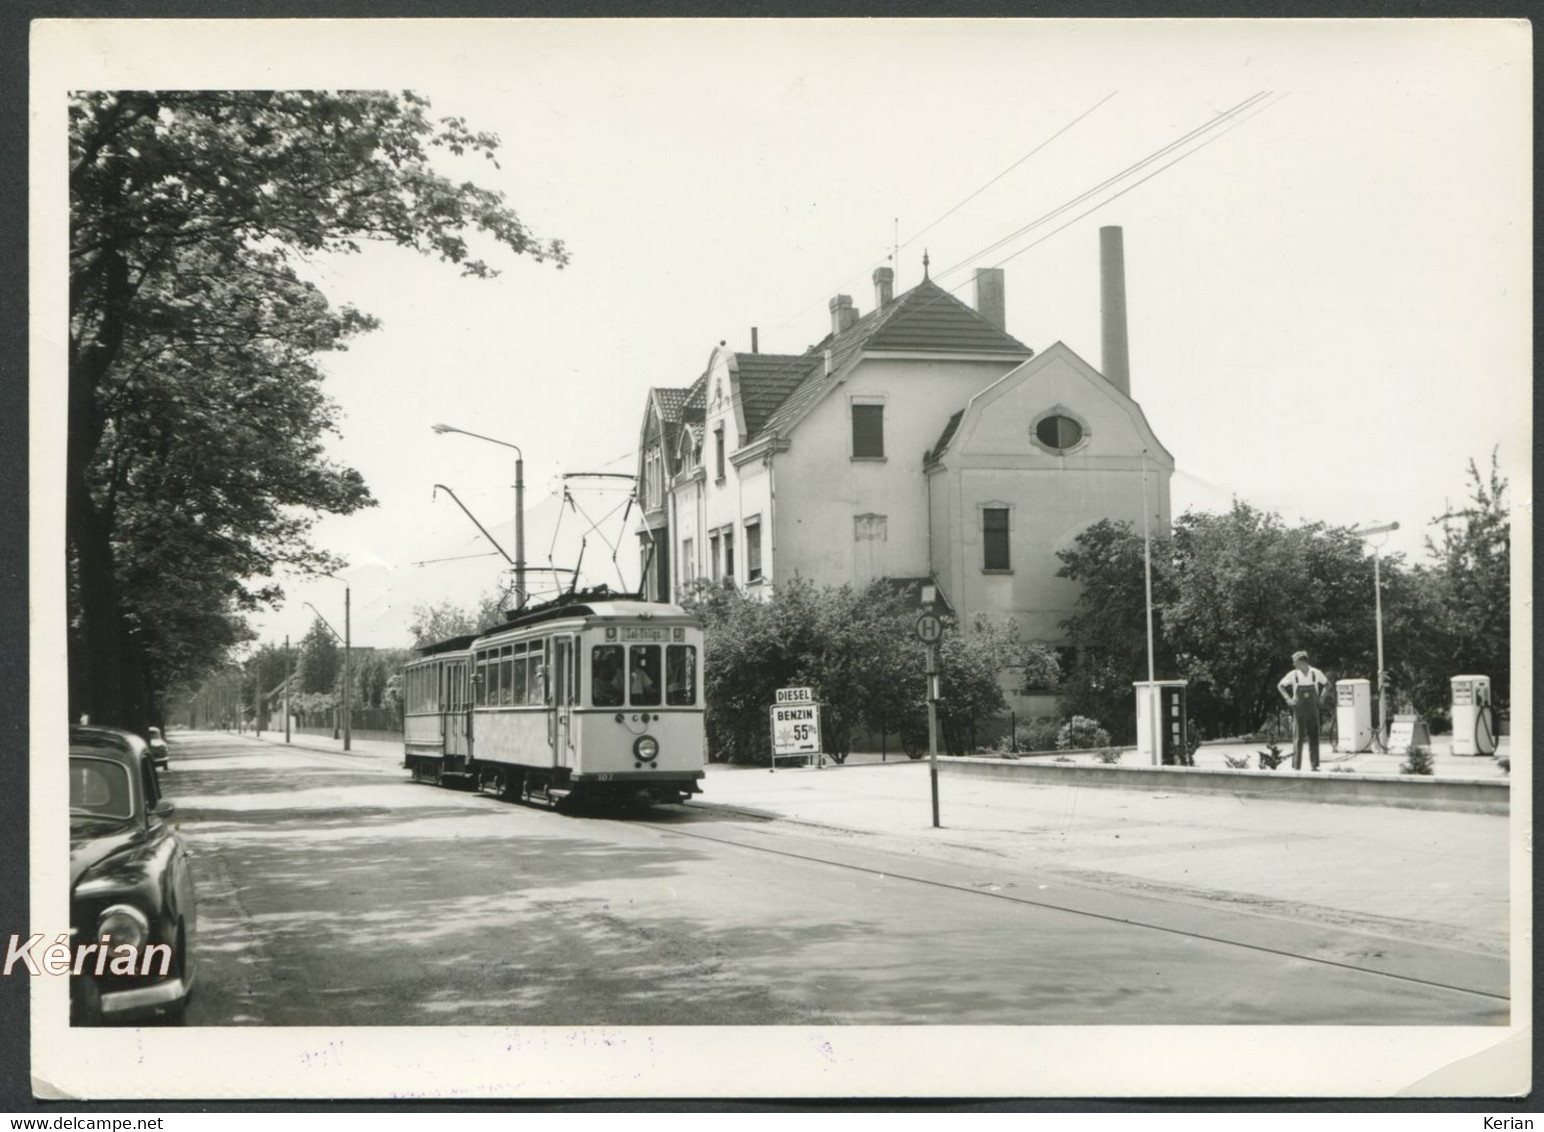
(681, 675)
(606, 675)
(643, 676)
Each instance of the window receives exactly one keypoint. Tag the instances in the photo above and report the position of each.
(729, 555)
(480, 679)
(643, 676)
(681, 675)
(718, 451)
(868, 432)
(994, 538)
(606, 675)
(688, 563)
(1059, 432)
(753, 550)
(713, 545)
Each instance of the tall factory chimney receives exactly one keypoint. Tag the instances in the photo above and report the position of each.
(1115, 357)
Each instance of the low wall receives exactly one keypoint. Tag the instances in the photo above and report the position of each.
(1416, 792)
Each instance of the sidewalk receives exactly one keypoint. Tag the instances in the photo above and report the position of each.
(1445, 872)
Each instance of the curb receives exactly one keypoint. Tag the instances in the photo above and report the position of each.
(1463, 795)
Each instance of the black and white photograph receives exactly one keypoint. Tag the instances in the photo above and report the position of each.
(779, 558)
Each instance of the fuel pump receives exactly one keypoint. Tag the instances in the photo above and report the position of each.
(1474, 719)
(1353, 716)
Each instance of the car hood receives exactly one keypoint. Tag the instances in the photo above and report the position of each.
(94, 839)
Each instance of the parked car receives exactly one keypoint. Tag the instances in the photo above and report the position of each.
(131, 881)
(158, 752)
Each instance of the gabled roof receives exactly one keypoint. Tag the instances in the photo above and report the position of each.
(696, 400)
(925, 319)
(671, 402)
(766, 380)
(943, 440)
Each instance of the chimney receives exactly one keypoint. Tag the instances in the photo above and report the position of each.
(1114, 356)
(989, 296)
(843, 313)
(755, 347)
(884, 287)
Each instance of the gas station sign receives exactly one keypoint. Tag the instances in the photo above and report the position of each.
(795, 725)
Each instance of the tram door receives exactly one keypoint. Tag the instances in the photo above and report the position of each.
(561, 730)
(456, 707)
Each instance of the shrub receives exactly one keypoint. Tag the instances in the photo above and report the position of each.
(1272, 757)
(1342, 770)
(1505, 764)
(1236, 762)
(1418, 761)
(1038, 735)
(1109, 756)
(1061, 759)
(1081, 734)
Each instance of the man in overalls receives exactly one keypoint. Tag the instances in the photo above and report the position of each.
(1301, 688)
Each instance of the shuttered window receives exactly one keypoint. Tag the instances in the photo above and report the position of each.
(868, 431)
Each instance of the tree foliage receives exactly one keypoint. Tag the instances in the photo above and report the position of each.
(857, 650)
(442, 620)
(196, 416)
(1235, 593)
(321, 660)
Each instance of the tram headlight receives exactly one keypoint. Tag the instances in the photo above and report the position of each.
(646, 747)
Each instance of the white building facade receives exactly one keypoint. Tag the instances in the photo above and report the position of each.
(918, 441)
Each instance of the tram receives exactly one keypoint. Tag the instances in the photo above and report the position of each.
(592, 696)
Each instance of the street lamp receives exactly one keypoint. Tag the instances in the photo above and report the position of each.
(1377, 599)
(519, 504)
(347, 721)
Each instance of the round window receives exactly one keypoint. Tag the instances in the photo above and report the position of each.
(1059, 432)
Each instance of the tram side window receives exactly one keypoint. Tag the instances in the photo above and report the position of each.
(480, 679)
(536, 689)
(681, 675)
(643, 676)
(606, 675)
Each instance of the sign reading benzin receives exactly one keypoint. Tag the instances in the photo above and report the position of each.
(795, 723)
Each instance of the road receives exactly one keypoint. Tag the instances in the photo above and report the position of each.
(335, 892)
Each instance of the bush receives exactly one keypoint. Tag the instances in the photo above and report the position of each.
(1272, 757)
(1505, 764)
(1081, 734)
(1418, 761)
(1193, 737)
(1109, 756)
(1038, 735)
(1237, 762)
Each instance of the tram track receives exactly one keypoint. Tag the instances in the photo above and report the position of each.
(1053, 906)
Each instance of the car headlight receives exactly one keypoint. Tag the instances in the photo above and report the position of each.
(646, 747)
(126, 924)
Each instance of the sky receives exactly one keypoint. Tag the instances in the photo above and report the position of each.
(1329, 301)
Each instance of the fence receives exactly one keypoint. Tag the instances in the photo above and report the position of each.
(364, 723)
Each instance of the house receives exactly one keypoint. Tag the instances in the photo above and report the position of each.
(920, 439)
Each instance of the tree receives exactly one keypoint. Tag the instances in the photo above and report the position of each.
(445, 619)
(1233, 594)
(1473, 582)
(194, 458)
(321, 660)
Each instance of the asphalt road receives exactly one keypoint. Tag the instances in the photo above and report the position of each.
(335, 892)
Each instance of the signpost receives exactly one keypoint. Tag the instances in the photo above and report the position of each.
(930, 628)
(796, 726)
